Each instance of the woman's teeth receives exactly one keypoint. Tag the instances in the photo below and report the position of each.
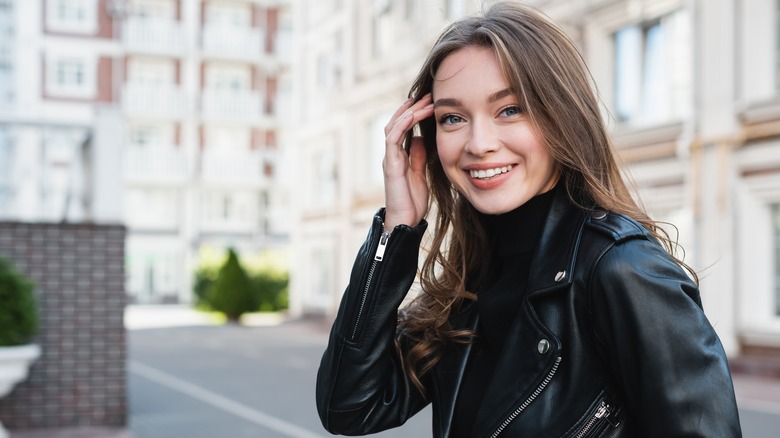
(489, 173)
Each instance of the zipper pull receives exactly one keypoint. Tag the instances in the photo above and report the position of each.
(380, 250)
(604, 412)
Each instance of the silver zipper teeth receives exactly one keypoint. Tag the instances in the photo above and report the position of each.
(602, 410)
(363, 299)
(530, 399)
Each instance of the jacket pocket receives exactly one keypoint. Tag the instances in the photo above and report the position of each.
(601, 420)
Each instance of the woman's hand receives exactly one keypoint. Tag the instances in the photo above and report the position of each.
(406, 189)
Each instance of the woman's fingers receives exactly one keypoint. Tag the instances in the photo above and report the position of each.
(405, 110)
(406, 193)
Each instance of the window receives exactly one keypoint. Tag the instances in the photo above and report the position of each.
(777, 43)
(151, 71)
(381, 27)
(6, 83)
(228, 77)
(653, 70)
(6, 19)
(327, 177)
(71, 76)
(72, 16)
(322, 269)
(153, 9)
(152, 275)
(6, 155)
(776, 240)
(143, 135)
(228, 14)
(228, 208)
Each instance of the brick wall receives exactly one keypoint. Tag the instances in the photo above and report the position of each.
(79, 380)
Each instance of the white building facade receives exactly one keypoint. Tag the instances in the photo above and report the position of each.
(692, 92)
(164, 115)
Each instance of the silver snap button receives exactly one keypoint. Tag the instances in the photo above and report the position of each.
(543, 346)
(560, 276)
(599, 214)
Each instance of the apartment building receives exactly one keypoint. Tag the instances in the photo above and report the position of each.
(164, 115)
(691, 92)
(355, 62)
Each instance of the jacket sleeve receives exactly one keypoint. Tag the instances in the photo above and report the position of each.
(648, 318)
(361, 385)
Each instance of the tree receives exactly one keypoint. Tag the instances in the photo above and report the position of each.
(232, 292)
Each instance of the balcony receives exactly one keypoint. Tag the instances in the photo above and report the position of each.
(232, 166)
(156, 163)
(244, 43)
(153, 100)
(231, 105)
(157, 36)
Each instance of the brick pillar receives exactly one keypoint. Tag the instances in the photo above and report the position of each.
(78, 270)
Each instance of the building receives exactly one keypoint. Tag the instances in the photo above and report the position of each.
(690, 88)
(355, 62)
(164, 115)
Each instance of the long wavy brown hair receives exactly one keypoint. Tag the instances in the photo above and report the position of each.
(550, 77)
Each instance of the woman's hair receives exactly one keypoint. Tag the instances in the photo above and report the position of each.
(554, 86)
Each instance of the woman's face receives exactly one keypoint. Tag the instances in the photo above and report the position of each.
(484, 139)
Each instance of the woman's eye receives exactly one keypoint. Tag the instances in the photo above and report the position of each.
(450, 119)
(511, 111)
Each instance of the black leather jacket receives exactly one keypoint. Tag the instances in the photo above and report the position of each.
(611, 341)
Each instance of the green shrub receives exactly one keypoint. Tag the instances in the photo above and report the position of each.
(203, 281)
(18, 309)
(271, 290)
(232, 291)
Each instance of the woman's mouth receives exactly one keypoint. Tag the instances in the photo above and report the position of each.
(489, 173)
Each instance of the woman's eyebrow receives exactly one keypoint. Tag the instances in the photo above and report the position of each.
(498, 95)
(447, 101)
(450, 101)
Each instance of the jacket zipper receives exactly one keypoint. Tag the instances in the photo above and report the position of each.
(602, 412)
(378, 257)
(530, 399)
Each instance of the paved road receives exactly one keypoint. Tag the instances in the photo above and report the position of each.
(236, 382)
(231, 381)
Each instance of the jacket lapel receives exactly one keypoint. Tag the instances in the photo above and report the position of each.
(526, 361)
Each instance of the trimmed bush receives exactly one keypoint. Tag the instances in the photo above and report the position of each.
(203, 281)
(232, 291)
(18, 309)
(271, 289)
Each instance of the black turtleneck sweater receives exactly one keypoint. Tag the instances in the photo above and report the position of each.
(513, 237)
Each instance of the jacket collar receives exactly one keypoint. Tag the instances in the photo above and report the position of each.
(554, 259)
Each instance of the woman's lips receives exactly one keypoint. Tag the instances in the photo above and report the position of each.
(489, 177)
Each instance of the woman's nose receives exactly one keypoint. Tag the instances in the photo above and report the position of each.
(483, 139)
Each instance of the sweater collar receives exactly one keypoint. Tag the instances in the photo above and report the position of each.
(517, 231)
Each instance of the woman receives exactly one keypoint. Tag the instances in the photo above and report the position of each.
(551, 304)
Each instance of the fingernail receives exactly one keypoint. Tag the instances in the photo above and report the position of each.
(429, 106)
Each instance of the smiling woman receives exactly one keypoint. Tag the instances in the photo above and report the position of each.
(551, 304)
(486, 144)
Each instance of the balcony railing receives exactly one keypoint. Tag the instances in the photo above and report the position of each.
(233, 42)
(154, 35)
(232, 104)
(157, 100)
(219, 165)
(156, 163)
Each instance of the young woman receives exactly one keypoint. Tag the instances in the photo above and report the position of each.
(551, 304)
